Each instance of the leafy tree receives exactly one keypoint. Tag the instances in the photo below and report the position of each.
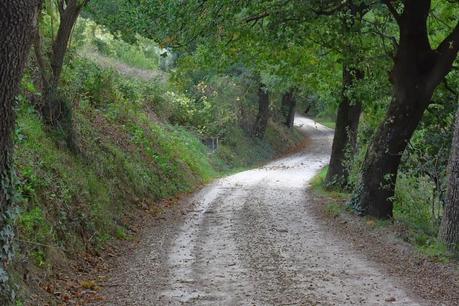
(267, 36)
(418, 70)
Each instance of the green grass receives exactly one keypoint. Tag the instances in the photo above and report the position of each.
(412, 210)
(335, 199)
(120, 233)
(144, 54)
(67, 198)
(334, 210)
(127, 161)
(319, 186)
(240, 151)
(326, 121)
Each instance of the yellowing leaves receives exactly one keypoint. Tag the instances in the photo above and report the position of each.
(169, 40)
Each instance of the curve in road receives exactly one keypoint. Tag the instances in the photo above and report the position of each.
(250, 239)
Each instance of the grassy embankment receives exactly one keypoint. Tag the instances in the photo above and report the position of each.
(129, 157)
(413, 213)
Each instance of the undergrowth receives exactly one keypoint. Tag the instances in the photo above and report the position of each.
(144, 54)
(414, 217)
(130, 155)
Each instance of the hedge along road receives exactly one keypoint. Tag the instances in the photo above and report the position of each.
(250, 239)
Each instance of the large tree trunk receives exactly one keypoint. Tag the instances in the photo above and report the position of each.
(261, 121)
(417, 72)
(345, 138)
(383, 157)
(449, 229)
(17, 21)
(288, 107)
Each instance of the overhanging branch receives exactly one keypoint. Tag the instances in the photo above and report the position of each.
(257, 17)
(393, 10)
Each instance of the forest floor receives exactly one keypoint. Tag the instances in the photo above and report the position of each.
(260, 237)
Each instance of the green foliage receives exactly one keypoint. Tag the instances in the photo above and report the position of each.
(326, 121)
(34, 226)
(120, 233)
(334, 210)
(318, 181)
(18, 303)
(144, 54)
(416, 207)
(39, 258)
(139, 142)
(126, 158)
(319, 185)
(413, 204)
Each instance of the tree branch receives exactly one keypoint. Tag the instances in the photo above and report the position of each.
(331, 11)
(393, 10)
(446, 55)
(257, 17)
(61, 6)
(451, 43)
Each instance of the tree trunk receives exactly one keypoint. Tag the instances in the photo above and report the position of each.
(449, 229)
(345, 138)
(54, 110)
(288, 107)
(37, 48)
(383, 157)
(261, 121)
(18, 19)
(417, 72)
(68, 18)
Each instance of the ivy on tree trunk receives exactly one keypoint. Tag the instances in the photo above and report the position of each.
(18, 19)
(288, 107)
(261, 122)
(347, 123)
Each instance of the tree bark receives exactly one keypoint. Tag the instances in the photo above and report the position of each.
(347, 123)
(416, 73)
(18, 19)
(52, 107)
(449, 228)
(68, 18)
(261, 122)
(383, 157)
(37, 48)
(288, 107)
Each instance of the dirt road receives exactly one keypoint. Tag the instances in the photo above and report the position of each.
(249, 239)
